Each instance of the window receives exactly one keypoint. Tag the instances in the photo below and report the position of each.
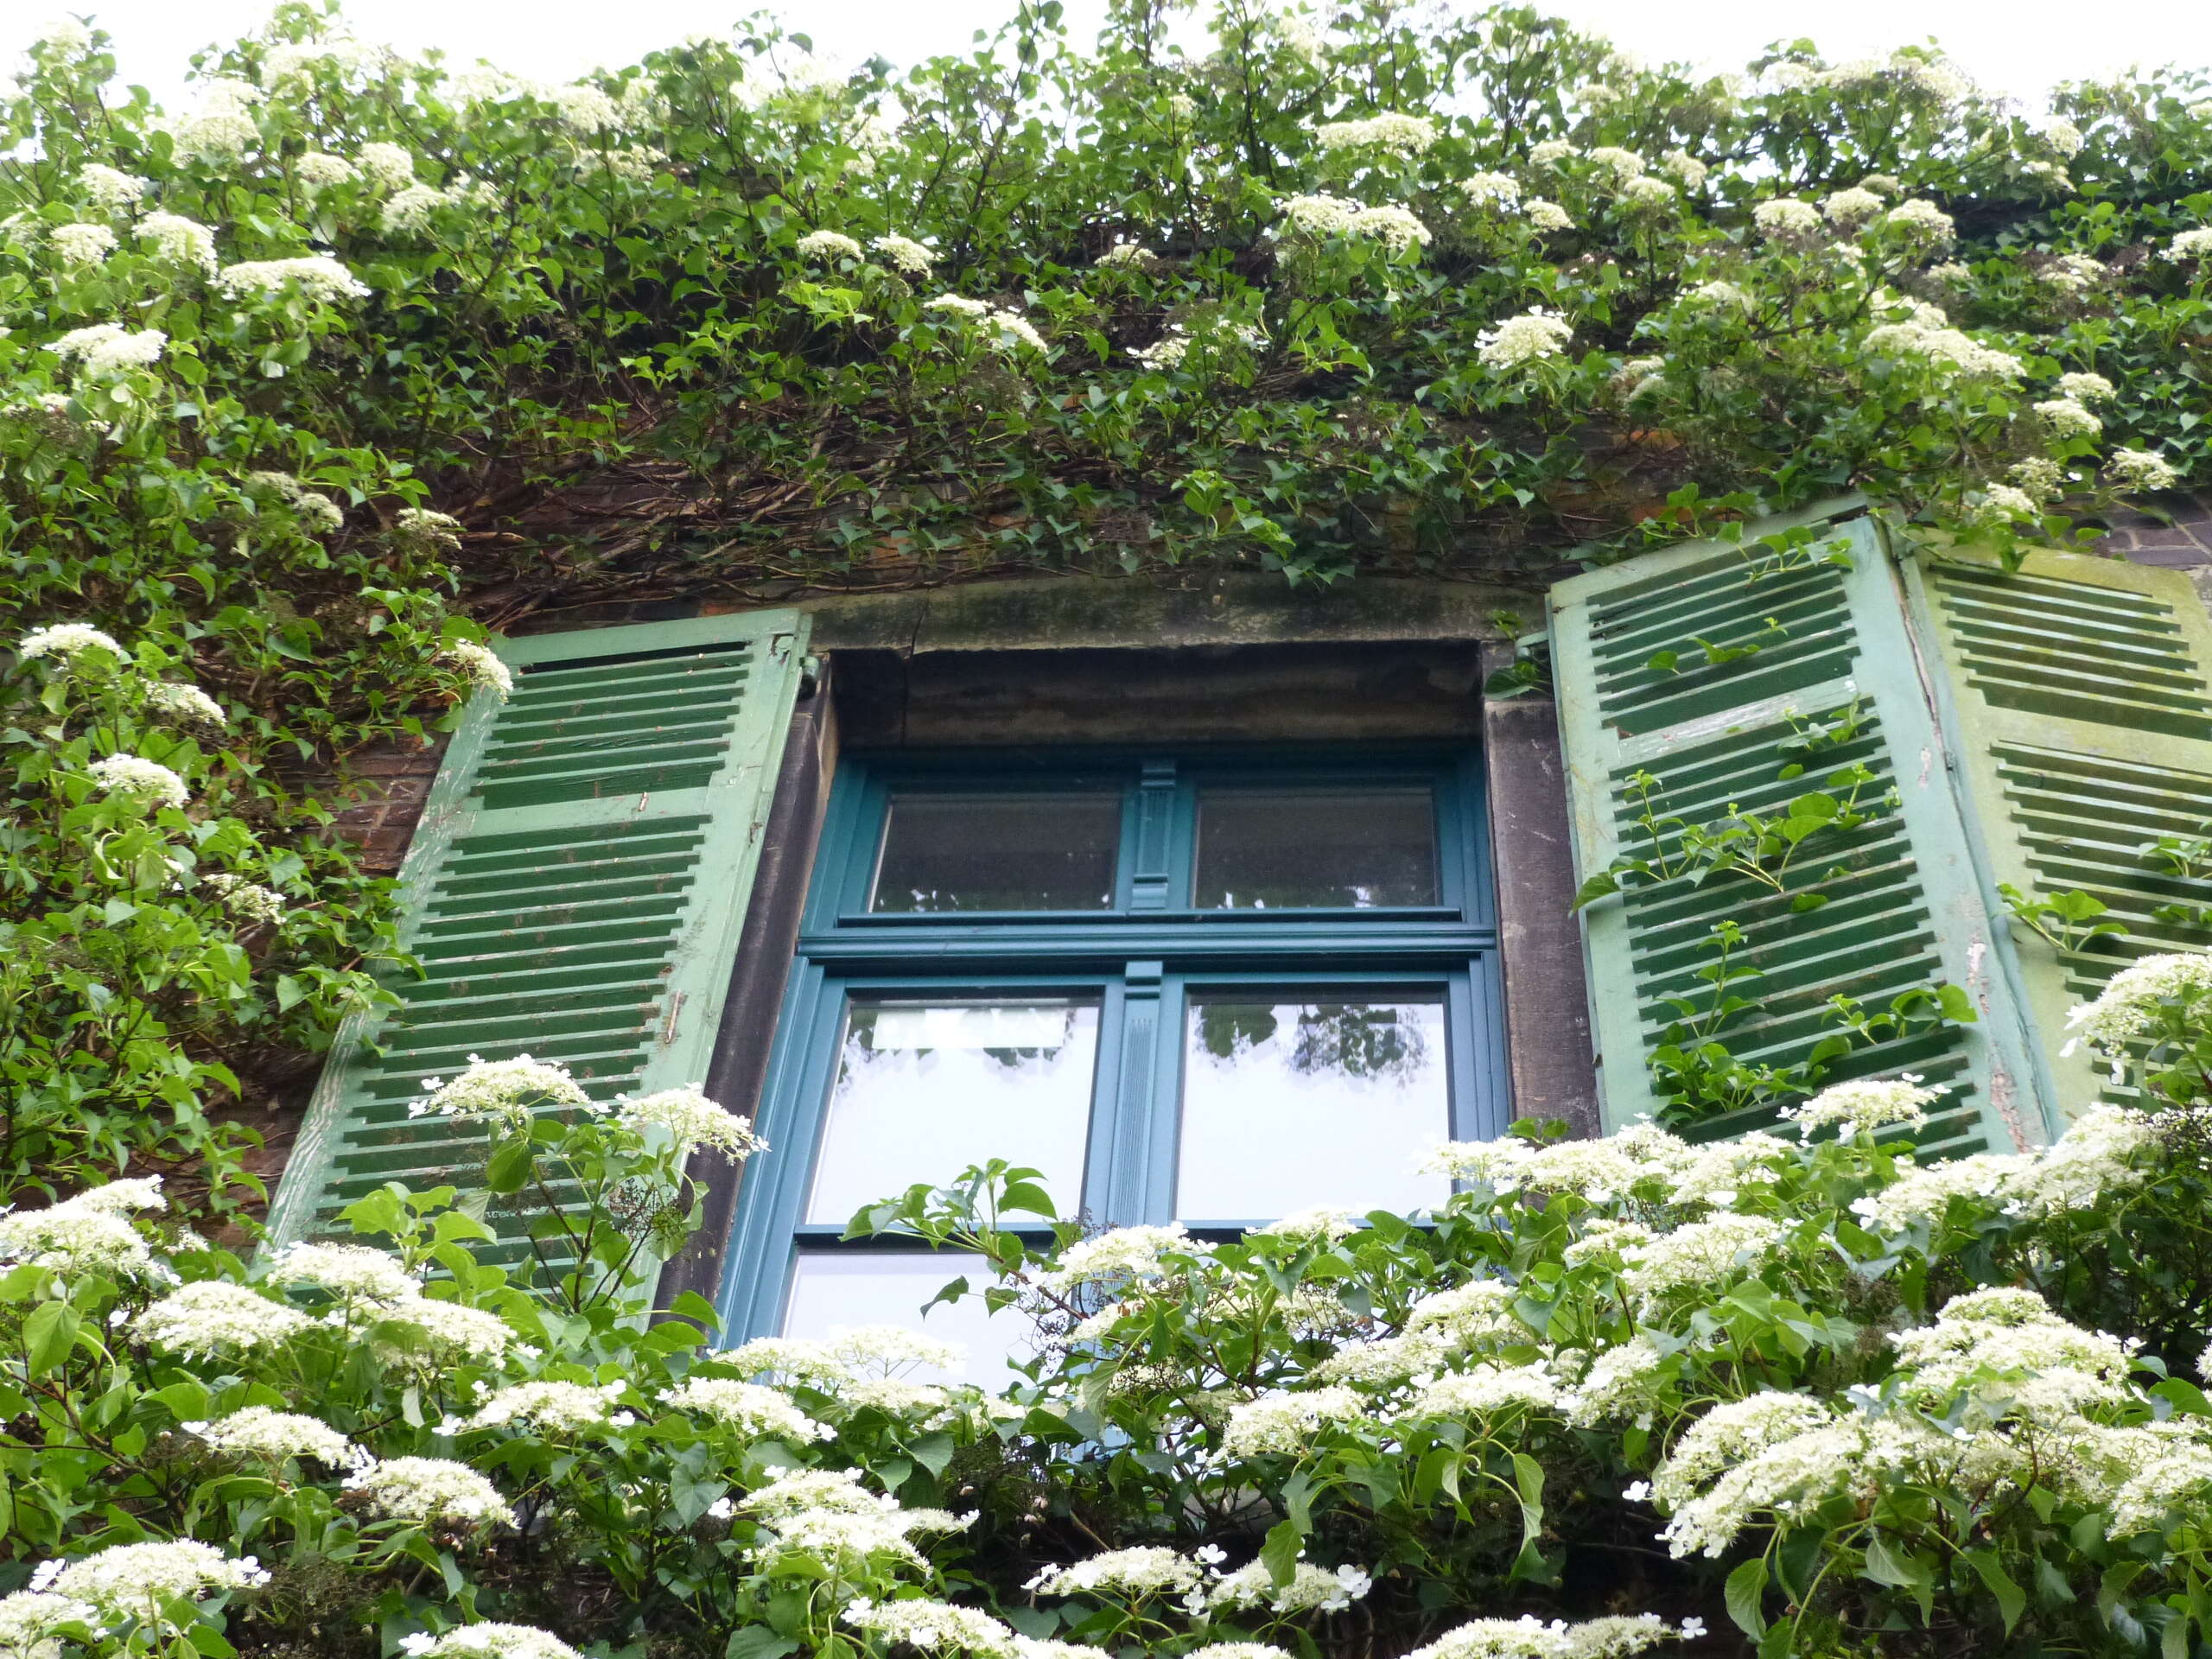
(1206, 988)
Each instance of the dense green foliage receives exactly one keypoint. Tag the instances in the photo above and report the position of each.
(1317, 293)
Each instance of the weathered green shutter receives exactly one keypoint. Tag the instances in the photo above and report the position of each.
(2080, 693)
(1905, 910)
(575, 892)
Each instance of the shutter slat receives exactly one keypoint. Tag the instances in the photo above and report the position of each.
(575, 892)
(2075, 757)
(1903, 909)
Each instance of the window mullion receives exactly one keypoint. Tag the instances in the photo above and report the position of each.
(1151, 856)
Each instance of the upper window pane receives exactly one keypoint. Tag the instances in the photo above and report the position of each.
(1315, 848)
(998, 852)
(1287, 1104)
(926, 1088)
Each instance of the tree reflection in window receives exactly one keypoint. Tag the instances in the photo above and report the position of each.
(1351, 1040)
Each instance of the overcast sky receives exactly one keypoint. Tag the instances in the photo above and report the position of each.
(2019, 47)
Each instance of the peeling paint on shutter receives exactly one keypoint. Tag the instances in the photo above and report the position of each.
(575, 892)
(2081, 691)
(1905, 908)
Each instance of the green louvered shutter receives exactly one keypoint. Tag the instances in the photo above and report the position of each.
(1907, 908)
(575, 892)
(2080, 693)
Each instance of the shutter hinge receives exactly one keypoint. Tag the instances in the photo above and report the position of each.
(810, 675)
(668, 1026)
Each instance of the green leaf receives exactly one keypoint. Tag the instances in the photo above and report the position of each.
(508, 1169)
(1281, 1551)
(758, 1641)
(1746, 1590)
(2011, 1601)
(49, 1335)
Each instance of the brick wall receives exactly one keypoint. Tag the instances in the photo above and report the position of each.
(2183, 544)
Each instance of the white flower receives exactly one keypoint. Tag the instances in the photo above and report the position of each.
(1323, 1225)
(2133, 998)
(1921, 221)
(1528, 1637)
(689, 1120)
(352, 1272)
(247, 899)
(2179, 1478)
(505, 1092)
(1849, 209)
(1785, 216)
(204, 1318)
(1400, 135)
(1547, 216)
(423, 1490)
(1133, 256)
(134, 779)
(131, 1579)
(258, 1432)
(887, 1349)
(757, 1412)
(79, 1235)
(319, 170)
(481, 667)
(1311, 1589)
(1147, 1570)
(489, 1641)
(1318, 215)
(2140, 469)
(1623, 164)
(1487, 1389)
(827, 245)
(1550, 153)
(1952, 274)
(2064, 418)
(184, 705)
(319, 274)
(894, 1396)
(1648, 194)
(2075, 273)
(558, 1407)
(931, 1626)
(1706, 1253)
(1517, 341)
(1393, 227)
(389, 167)
(446, 1331)
(414, 209)
(1500, 190)
(1864, 1104)
(1720, 293)
(958, 305)
(584, 109)
(83, 245)
(2085, 388)
(793, 1359)
(63, 640)
(1620, 1384)
(421, 531)
(109, 189)
(1125, 1254)
(2059, 136)
(2038, 477)
(1284, 1422)
(29, 1617)
(2191, 245)
(181, 240)
(1686, 168)
(1943, 348)
(108, 349)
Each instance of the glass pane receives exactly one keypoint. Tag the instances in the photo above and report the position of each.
(1289, 1104)
(1310, 848)
(998, 852)
(926, 1088)
(830, 1288)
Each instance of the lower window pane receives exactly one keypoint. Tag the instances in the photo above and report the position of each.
(926, 1088)
(830, 1288)
(1290, 1104)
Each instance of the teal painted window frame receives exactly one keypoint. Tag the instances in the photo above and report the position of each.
(1141, 960)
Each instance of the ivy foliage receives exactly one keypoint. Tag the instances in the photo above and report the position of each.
(303, 383)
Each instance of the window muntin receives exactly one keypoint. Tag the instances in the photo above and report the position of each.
(1314, 849)
(1141, 964)
(947, 852)
(926, 1087)
(1290, 1102)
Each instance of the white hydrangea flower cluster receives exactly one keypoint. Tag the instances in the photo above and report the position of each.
(826, 1513)
(1648, 195)
(213, 1315)
(1311, 1590)
(350, 1273)
(441, 1332)
(179, 241)
(107, 351)
(110, 189)
(1145, 1570)
(2085, 388)
(1547, 216)
(2135, 1000)
(896, 1396)
(827, 245)
(1319, 217)
(1550, 153)
(1125, 256)
(489, 1640)
(1928, 337)
(1398, 135)
(506, 1093)
(423, 1490)
(319, 170)
(259, 1431)
(1487, 1390)
(63, 640)
(184, 705)
(89, 1233)
(1849, 209)
(1685, 169)
(1784, 217)
(1005, 330)
(2195, 244)
(789, 1359)
(1126, 1255)
(1998, 504)
(82, 244)
(248, 900)
(1528, 1637)
(1499, 190)
(1865, 1104)
(906, 256)
(1324, 1223)
(1921, 222)
(2062, 417)
(689, 1120)
(2140, 469)
(133, 1580)
(421, 530)
(931, 1627)
(752, 1409)
(1516, 342)
(30, 1618)
(556, 1408)
(1720, 294)
(2008, 1332)
(145, 783)
(1703, 1253)
(1285, 1422)
(317, 275)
